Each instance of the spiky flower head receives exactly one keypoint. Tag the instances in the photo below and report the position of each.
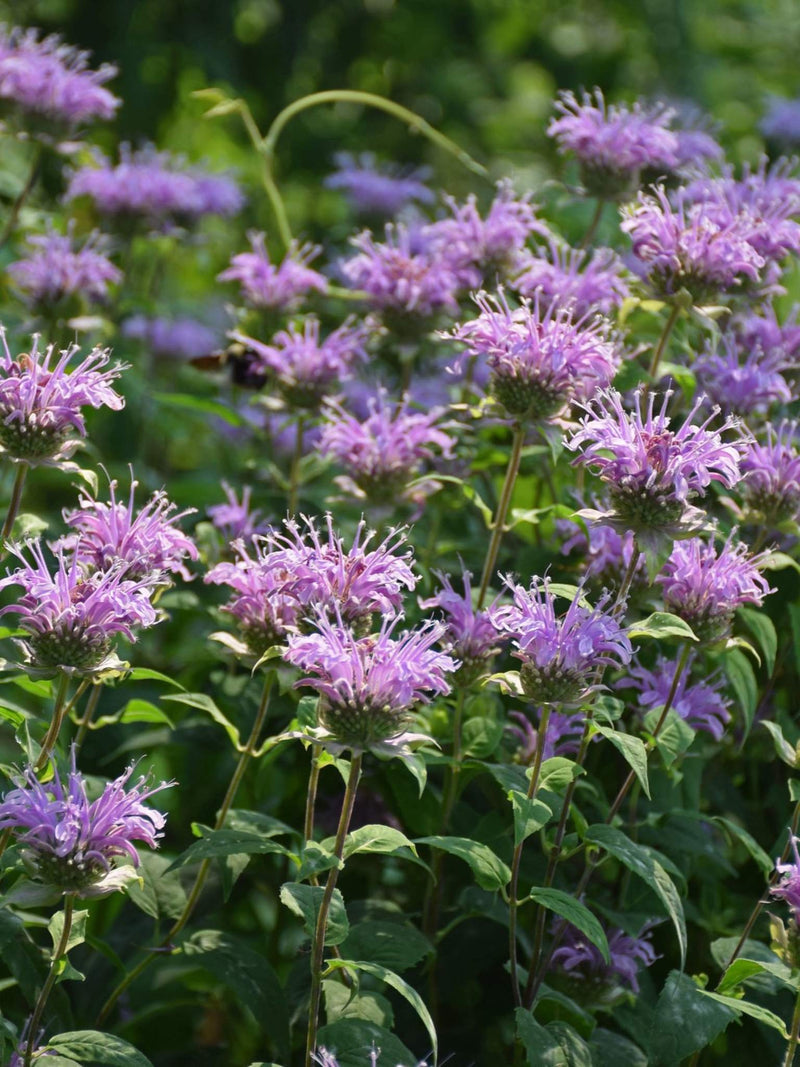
(72, 843)
(687, 246)
(705, 587)
(378, 188)
(653, 472)
(155, 187)
(56, 270)
(401, 276)
(41, 397)
(613, 143)
(71, 617)
(351, 584)
(236, 520)
(369, 686)
(471, 635)
(306, 369)
(699, 703)
(149, 541)
(607, 552)
(771, 486)
(280, 287)
(387, 450)
(563, 655)
(541, 358)
(781, 121)
(581, 961)
(574, 277)
(788, 888)
(51, 82)
(180, 338)
(760, 328)
(741, 381)
(481, 248)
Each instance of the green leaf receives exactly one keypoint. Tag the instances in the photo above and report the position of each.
(381, 839)
(530, 815)
(159, 895)
(783, 749)
(543, 1048)
(638, 860)
(399, 985)
(304, 902)
(743, 682)
(90, 1046)
(77, 932)
(633, 751)
(205, 703)
(675, 736)
(248, 975)
(794, 789)
(143, 711)
(145, 674)
(740, 834)
(201, 405)
(573, 911)
(755, 1011)
(481, 737)
(609, 1048)
(227, 843)
(683, 1021)
(557, 773)
(489, 870)
(355, 1039)
(391, 944)
(20, 955)
(742, 968)
(662, 624)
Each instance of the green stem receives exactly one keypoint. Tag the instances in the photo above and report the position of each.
(247, 753)
(353, 96)
(318, 944)
(595, 222)
(294, 471)
(58, 953)
(59, 711)
(311, 795)
(662, 341)
(19, 203)
(513, 904)
(88, 714)
(794, 1034)
(502, 511)
(775, 876)
(16, 500)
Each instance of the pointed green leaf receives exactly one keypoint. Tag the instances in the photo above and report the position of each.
(391, 944)
(215, 843)
(683, 1022)
(633, 751)
(90, 1046)
(304, 901)
(565, 905)
(489, 870)
(530, 815)
(662, 624)
(206, 704)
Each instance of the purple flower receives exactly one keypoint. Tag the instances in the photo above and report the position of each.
(370, 686)
(55, 271)
(264, 609)
(478, 248)
(563, 656)
(385, 451)
(653, 471)
(613, 143)
(572, 276)
(70, 842)
(771, 471)
(149, 541)
(305, 368)
(577, 958)
(235, 520)
(470, 636)
(690, 246)
(741, 381)
(762, 330)
(540, 359)
(51, 81)
(41, 399)
(71, 617)
(561, 739)
(157, 187)
(281, 287)
(700, 704)
(788, 888)
(762, 203)
(782, 120)
(608, 552)
(401, 275)
(353, 583)
(705, 587)
(182, 338)
(380, 188)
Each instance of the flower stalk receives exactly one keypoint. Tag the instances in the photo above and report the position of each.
(16, 499)
(58, 954)
(498, 525)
